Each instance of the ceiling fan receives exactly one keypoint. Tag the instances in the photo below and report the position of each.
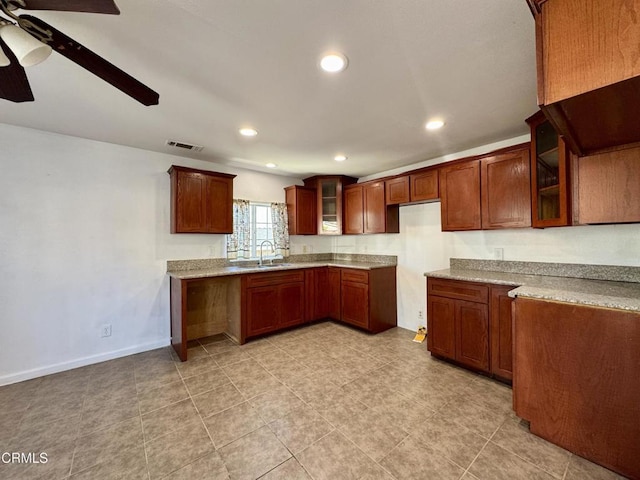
(26, 40)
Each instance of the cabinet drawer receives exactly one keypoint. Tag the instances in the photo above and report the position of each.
(274, 278)
(358, 276)
(472, 292)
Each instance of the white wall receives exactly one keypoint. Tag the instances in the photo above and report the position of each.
(84, 241)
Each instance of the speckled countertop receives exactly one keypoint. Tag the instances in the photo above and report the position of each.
(189, 269)
(624, 295)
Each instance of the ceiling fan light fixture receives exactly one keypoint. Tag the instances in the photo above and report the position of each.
(27, 49)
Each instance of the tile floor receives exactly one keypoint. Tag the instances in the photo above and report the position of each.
(320, 402)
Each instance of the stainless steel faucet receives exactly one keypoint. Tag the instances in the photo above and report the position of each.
(273, 249)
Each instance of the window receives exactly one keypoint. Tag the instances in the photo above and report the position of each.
(261, 229)
(253, 223)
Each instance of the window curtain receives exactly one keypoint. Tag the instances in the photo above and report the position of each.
(239, 242)
(280, 223)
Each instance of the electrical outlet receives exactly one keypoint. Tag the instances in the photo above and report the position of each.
(105, 330)
(498, 253)
(420, 314)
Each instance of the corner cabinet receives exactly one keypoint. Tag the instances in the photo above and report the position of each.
(201, 201)
(301, 210)
(329, 201)
(550, 185)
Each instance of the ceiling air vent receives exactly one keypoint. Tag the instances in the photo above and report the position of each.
(185, 146)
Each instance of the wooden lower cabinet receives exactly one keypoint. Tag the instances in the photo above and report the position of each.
(576, 379)
(334, 276)
(501, 332)
(271, 301)
(355, 303)
(470, 323)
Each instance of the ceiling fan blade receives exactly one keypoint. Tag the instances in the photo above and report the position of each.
(89, 60)
(14, 85)
(90, 6)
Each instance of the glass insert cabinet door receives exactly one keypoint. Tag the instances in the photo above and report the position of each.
(329, 223)
(549, 175)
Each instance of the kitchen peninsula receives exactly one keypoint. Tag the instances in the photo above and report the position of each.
(568, 334)
(243, 299)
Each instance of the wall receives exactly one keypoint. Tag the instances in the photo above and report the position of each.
(84, 242)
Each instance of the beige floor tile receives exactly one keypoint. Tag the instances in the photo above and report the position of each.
(413, 460)
(196, 366)
(273, 358)
(216, 400)
(196, 351)
(454, 441)
(275, 403)
(233, 423)
(204, 382)
(230, 357)
(256, 347)
(300, 428)
(162, 396)
(40, 437)
(476, 417)
(515, 437)
(581, 469)
(334, 456)
(337, 407)
(99, 446)
(129, 465)
(312, 388)
(47, 410)
(104, 410)
(375, 433)
(253, 455)
(289, 470)
(149, 379)
(256, 383)
(209, 467)
(162, 421)
(495, 463)
(222, 346)
(177, 449)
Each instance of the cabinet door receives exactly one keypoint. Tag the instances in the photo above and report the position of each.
(424, 186)
(506, 190)
(329, 210)
(441, 337)
(334, 290)
(263, 309)
(291, 308)
(355, 303)
(301, 210)
(501, 338)
(219, 205)
(397, 190)
(609, 187)
(353, 210)
(460, 196)
(321, 289)
(472, 334)
(191, 204)
(374, 208)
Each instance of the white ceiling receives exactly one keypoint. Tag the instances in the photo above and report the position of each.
(222, 64)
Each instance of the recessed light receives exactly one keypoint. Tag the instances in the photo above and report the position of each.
(434, 124)
(334, 62)
(271, 165)
(340, 158)
(248, 132)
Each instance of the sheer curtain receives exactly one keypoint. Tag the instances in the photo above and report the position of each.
(239, 242)
(280, 224)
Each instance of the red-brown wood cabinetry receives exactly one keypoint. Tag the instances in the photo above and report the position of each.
(366, 211)
(460, 196)
(424, 186)
(329, 196)
(201, 201)
(334, 279)
(505, 190)
(353, 209)
(302, 210)
(501, 333)
(397, 190)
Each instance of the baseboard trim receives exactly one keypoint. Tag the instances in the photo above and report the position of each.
(81, 362)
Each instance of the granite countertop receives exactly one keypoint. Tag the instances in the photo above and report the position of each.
(601, 293)
(226, 270)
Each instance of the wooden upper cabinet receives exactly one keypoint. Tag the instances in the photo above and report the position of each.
(397, 190)
(374, 207)
(353, 209)
(301, 210)
(201, 201)
(608, 187)
(505, 187)
(460, 196)
(424, 186)
(550, 185)
(329, 201)
(589, 70)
